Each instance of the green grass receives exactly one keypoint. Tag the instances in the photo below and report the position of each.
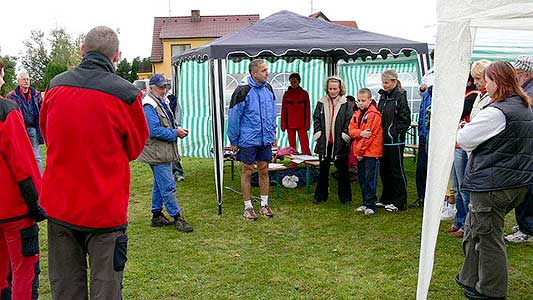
(327, 250)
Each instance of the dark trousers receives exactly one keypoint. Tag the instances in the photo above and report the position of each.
(485, 263)
(393, 177)
(524, 213)
(421, 168)
(368, 172)
(344, 189)
(67, 263)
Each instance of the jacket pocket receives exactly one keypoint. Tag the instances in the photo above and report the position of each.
(120, 255)
(30, 240)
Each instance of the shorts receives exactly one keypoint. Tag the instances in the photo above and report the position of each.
(251, 155)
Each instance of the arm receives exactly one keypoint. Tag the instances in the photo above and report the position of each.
(317, 122)
(156, 130)
(403, 117)
(308, 111)
(284, 113)
(135, 128)
(487, 124)
(235, 114)
(16, 148)
(348, 115)
(374, 123)
(469, 103)
(354, 130)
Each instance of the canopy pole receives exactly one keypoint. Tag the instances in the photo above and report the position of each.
(217, 110)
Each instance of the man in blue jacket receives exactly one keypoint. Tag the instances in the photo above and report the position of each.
(251, 131)
(29, 100)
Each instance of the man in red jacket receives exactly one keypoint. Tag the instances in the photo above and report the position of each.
(93, 125)
(19, 206)
(296, 113)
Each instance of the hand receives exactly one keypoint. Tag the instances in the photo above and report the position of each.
(275, 144)
(423, 87)
(366, 133)
(234, 149)
(359, 158)
(182, 132)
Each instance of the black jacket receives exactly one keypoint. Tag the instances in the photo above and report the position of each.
(395, 116)
(342, 122)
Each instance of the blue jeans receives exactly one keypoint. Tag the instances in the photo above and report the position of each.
(367, 170)
(462, 198)
(164, 192)
(32, 134)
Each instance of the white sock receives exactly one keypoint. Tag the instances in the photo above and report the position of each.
(264, 200)
(248, 204)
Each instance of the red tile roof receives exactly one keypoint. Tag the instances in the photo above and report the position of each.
(183, 27)
(352, 24)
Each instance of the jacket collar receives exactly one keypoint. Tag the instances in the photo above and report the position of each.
(254, 83)
(391, 94)
(97, 61)
(339, 99)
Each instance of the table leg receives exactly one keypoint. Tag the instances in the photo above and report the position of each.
(277, 186)
(307, 180)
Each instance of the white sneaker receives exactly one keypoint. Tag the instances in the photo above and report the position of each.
(519, 237)
(360, 208)
(369, 212)
(391, 207)
(515, 229)
(379, 204)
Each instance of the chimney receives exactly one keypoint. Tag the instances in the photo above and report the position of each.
(195, 15)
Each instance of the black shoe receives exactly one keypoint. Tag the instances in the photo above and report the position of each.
(472, 294)
(418, 203)
(161, 221)
(182, 225)
(318, 200)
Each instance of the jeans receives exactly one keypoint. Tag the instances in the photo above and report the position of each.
(421, 168)
(462, 198)
(32, 134)
(164, 191)
(367, 169)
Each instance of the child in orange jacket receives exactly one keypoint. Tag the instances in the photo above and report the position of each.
(365, 129)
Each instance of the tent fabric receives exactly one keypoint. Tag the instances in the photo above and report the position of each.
(457, 24)
(289, 34)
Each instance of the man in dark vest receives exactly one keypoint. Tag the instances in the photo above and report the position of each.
(160, 151)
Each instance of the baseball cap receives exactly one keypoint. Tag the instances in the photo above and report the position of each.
(158, 80)
(524, 63)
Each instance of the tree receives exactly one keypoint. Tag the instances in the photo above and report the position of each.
(9, 74)
(52, 69)
(145, 66)
(134, 69)
(124, 69)
(65, 50)
(35, 57)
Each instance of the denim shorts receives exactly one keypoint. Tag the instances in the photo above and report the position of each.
(251, 155)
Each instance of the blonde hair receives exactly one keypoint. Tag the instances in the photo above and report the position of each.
(391, 74)
(478, 68)
(342, 85)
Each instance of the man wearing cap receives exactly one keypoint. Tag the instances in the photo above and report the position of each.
(523, 231)
(160, 151)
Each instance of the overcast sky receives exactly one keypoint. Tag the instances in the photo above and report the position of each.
(413, 19)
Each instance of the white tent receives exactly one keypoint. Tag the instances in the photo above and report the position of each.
(457, 24)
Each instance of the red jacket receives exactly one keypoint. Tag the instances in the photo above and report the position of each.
(93, 125)
(18, 168)
(295, 109)
(367, 147)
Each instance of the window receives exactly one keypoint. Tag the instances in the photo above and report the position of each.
(178, 48)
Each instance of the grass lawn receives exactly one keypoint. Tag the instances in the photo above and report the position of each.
(306, 251)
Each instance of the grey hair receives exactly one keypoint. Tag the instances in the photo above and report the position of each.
(342, 85)
(102, 39)
(22, 72)
(254, 65)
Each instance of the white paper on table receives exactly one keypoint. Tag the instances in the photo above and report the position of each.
(303, 157)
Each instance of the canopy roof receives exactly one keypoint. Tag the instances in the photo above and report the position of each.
(288, 34)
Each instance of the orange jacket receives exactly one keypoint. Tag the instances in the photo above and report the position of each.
(367, 147)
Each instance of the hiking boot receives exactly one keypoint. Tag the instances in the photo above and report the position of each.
(369, 212)
(266, 211)
(458, 234)
(360, 208)
(391, 207)
(182, 225)
(473, 294)
(249, 214)
(161, 221)
(519, 237)
(418, 203)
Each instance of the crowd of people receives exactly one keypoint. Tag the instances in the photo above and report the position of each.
(94, 123)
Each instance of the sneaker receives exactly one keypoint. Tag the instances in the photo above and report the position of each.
(249, 214)
(519, 237)
(458, 234)
(180, 178)
(182, 225)
(360, 208)
(391, 207)
(515, 229)
(161, 221)
(418, 203)
(266, 211)
(379, 204)
(369, 212)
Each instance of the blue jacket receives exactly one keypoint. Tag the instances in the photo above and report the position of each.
(154, 125)
(30, 110)
(426, 102)
(252, 115)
